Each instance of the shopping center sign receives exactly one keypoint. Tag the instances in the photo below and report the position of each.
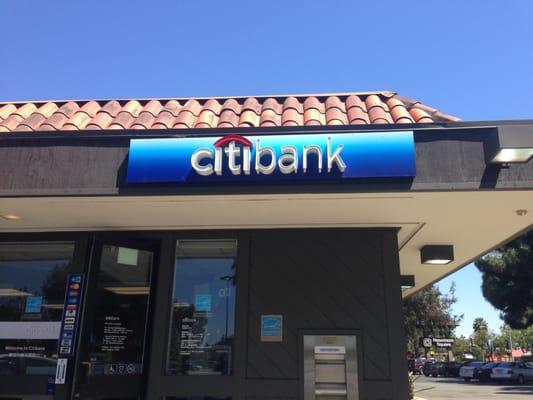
(256, 158)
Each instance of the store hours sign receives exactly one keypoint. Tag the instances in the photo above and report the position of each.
(258, 158)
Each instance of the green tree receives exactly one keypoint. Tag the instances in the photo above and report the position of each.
(428, 313)
(508, 280)
(480, 337)
(461, 346)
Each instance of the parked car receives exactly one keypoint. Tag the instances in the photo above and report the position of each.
(426, 369)
(523, 372)
(437, 369)
(418, 365)
(503, 372)
(467, 371)
(452, 368)
(483, 373)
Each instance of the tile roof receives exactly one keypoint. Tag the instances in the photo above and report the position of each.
(294, 110)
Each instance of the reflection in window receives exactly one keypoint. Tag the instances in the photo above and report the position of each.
(32, 290)
(203, 308)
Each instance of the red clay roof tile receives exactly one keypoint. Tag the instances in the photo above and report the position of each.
(144, 120)
(207, 119)
(112, 107)
(100, 121)
(272, 104)
(185, 119)
(68, 109)
(7, 110)
(214, 106)
(153, 107)
(334, 116)
(312, 116)
(172, 106)
(165, 118)
(31, 123)
(293, 103)
(78, 121)
(228, 118)
(291, 117)
(335, 109)
(269, 117)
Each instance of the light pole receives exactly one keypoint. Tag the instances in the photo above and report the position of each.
(227, 279)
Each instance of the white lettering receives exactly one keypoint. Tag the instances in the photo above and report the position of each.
(197, 157)
(288, 161)
(233, 152)
(312, 149)
(259, 153)
(335, 157)
(246, 160)
(218, 161)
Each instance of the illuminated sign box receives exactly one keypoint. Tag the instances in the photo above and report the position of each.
(257, 158)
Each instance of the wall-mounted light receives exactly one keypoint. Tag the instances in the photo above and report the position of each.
(407, 281)
(10, 217)
(436, 254)
(510, 144)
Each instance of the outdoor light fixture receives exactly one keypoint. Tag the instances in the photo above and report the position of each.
(10, 217)
(408, 281)
(436, 254)
(510, 144)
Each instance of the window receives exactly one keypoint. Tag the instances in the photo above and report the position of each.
(203, 308)
(33, 277)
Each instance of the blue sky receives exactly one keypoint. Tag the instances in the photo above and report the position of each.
(471, 302)
(473, 59)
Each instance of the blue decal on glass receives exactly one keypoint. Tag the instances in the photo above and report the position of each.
(33, 304)
(202, 302)
(342, 156)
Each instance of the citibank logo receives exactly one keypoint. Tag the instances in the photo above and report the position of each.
(237, 153)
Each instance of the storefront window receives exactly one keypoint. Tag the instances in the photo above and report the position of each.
(33, 277)
(203, 308)
(118, 327)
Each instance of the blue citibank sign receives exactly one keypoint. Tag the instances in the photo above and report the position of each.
(250, 158)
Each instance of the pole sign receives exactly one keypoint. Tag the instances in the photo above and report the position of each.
(69, 325)
(71, 315)
(267, 158)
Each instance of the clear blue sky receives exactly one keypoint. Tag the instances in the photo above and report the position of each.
(471, 58)
(470, 300)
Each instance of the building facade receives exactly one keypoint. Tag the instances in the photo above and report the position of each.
(237, 248)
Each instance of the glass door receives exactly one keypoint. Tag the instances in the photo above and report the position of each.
(111, 363)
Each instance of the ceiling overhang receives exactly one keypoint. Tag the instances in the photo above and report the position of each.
(474, 222)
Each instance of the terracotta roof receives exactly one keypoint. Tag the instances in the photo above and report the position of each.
(233, 112)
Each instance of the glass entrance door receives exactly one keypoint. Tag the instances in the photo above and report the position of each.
(112, 359)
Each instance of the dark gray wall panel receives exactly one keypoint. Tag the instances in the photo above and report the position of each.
(325, 279)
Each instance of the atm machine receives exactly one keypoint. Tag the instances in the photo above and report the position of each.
(330, 367)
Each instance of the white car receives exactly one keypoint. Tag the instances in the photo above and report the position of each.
(467, 371)
(504, 371)
(523, 372)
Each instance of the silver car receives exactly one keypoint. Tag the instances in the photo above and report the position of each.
(523, 372)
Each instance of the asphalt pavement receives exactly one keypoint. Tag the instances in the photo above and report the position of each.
(430, 388)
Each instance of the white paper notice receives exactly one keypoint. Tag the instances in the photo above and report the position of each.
(127, 256)
(61, 371)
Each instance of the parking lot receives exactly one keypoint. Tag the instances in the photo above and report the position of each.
(440, 388)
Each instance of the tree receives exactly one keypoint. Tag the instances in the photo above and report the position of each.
(480, 337)
(461, 346)
(428, 313)
(508, 280)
